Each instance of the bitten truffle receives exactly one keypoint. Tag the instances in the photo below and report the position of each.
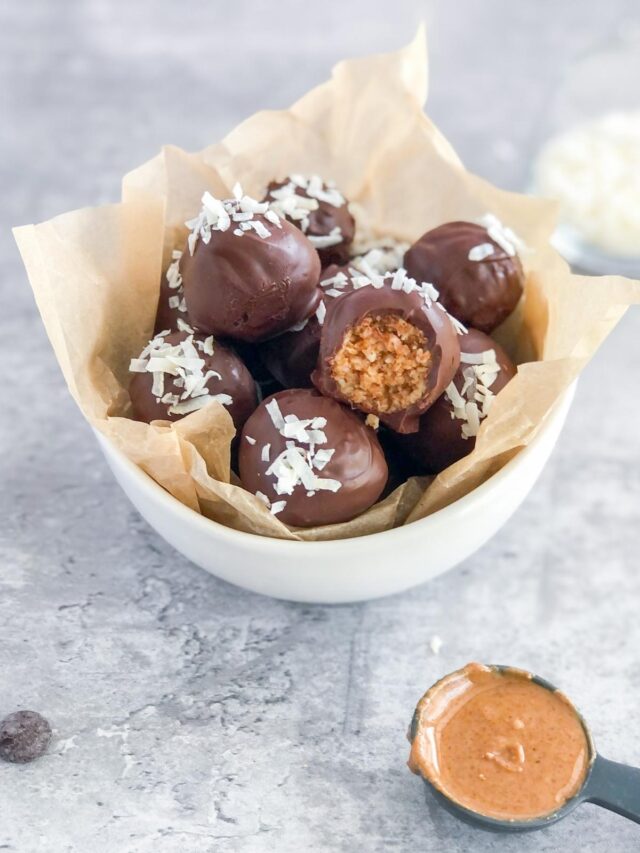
(448, 431)
(388, 349)
(247, 273)
(292, 357)
(476, 270)
(319, 210)
(172, 307)
(311, 460)
(179, 373)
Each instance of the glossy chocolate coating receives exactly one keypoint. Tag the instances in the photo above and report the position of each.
(250, 288)
(236, 381)
(481, 294)
(431, 320)
(291, 357)
(322, 221)
(358, 462)
(439, 442)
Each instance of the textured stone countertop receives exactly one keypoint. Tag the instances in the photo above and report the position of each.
(190, 716)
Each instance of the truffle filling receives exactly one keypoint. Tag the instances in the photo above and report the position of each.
(383, 364)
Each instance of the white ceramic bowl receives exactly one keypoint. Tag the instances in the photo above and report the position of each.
(348, 569)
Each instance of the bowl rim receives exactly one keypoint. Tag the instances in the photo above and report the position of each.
(257, 542)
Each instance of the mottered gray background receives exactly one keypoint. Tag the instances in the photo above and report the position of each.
(191, 716)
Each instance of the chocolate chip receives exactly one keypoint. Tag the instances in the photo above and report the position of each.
(24, 736)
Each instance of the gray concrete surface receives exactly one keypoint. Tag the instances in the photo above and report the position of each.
(190, 716)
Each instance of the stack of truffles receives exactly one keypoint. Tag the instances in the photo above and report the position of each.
(339, 360)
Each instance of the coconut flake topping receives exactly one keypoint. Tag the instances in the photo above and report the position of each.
(501, 234)
(471, 404)
(184, 365)
(290, 204)
(174, 280)
(239, 212)
(380, 256)
(300, 460)
(399, 280)
(480, 252)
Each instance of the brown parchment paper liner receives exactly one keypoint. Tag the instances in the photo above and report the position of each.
(95, 274)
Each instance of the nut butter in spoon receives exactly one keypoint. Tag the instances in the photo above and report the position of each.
(505, 750)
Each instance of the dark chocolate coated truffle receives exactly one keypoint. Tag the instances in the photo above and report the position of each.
(319, 210)
(312, 460)
(247, 273)
(172, 306)
(447, 432)
(387, 349)
(475, 269)
(180, 373)
(24, 736)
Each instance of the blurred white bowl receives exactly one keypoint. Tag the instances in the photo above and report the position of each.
(348, 569)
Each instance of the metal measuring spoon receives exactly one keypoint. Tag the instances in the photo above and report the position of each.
(609, 784)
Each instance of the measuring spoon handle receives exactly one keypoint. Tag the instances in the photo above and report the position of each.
(615, 787)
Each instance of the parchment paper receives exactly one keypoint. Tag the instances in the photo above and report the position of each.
(96, 273)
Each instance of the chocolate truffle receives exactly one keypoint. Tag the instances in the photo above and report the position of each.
(475, 269)
(448, 430)
(388, 349)
(172, 307)
(311, 460)
(319, 210)
(179, 373)
(247, 273)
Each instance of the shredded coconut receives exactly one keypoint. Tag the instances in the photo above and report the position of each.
(220, 215)
(297, 464)
(380, 256)
(339, 280)
(501, 234)
(185, 367)
(399, 280)
(326, 240)
(174, 280)
(471, 404)
(593, 170)
(335, 286)
(288, 203)
(481, 252)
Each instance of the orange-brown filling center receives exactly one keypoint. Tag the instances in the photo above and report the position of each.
(383, 364)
